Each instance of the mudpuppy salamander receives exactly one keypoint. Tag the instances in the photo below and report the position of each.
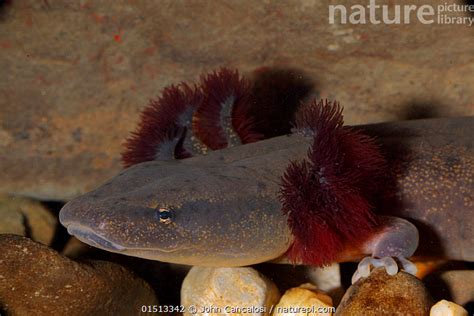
(324, 193)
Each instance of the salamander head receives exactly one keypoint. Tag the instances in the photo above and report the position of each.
(176, 212)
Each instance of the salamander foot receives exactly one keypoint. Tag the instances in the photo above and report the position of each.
(389, 263)
(396, 241)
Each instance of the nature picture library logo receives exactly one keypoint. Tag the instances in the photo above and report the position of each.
(373, 13)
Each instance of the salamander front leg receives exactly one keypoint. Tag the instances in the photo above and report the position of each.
(390, 248)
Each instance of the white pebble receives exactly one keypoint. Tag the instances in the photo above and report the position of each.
(304, 300)
(226, 291)
(447, 308)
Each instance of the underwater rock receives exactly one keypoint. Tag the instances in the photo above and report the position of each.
(36, 280)
(11, 222)
(328, 280)
(64, 91)
(225, 291)
(456, 285)
(287, 276)
(382, 294)
(155, 273)
(304, 300)
(446, 308)
(75, 248)
(28, 218)
(426, 267)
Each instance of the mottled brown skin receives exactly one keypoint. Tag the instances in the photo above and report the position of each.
(226, 208)
(433, 161)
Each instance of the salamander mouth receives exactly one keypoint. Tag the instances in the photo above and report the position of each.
(88, 236)
(92, 238)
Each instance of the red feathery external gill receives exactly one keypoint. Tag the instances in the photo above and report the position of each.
(328, 196)
(223, 110)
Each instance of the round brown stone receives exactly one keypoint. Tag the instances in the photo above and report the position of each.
(36, 280)
(382, 294)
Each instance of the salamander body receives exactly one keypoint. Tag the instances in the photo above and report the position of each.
(230, 207)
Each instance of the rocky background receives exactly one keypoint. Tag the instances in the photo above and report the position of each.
(76, 74)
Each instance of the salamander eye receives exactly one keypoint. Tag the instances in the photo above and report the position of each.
(164, 215)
